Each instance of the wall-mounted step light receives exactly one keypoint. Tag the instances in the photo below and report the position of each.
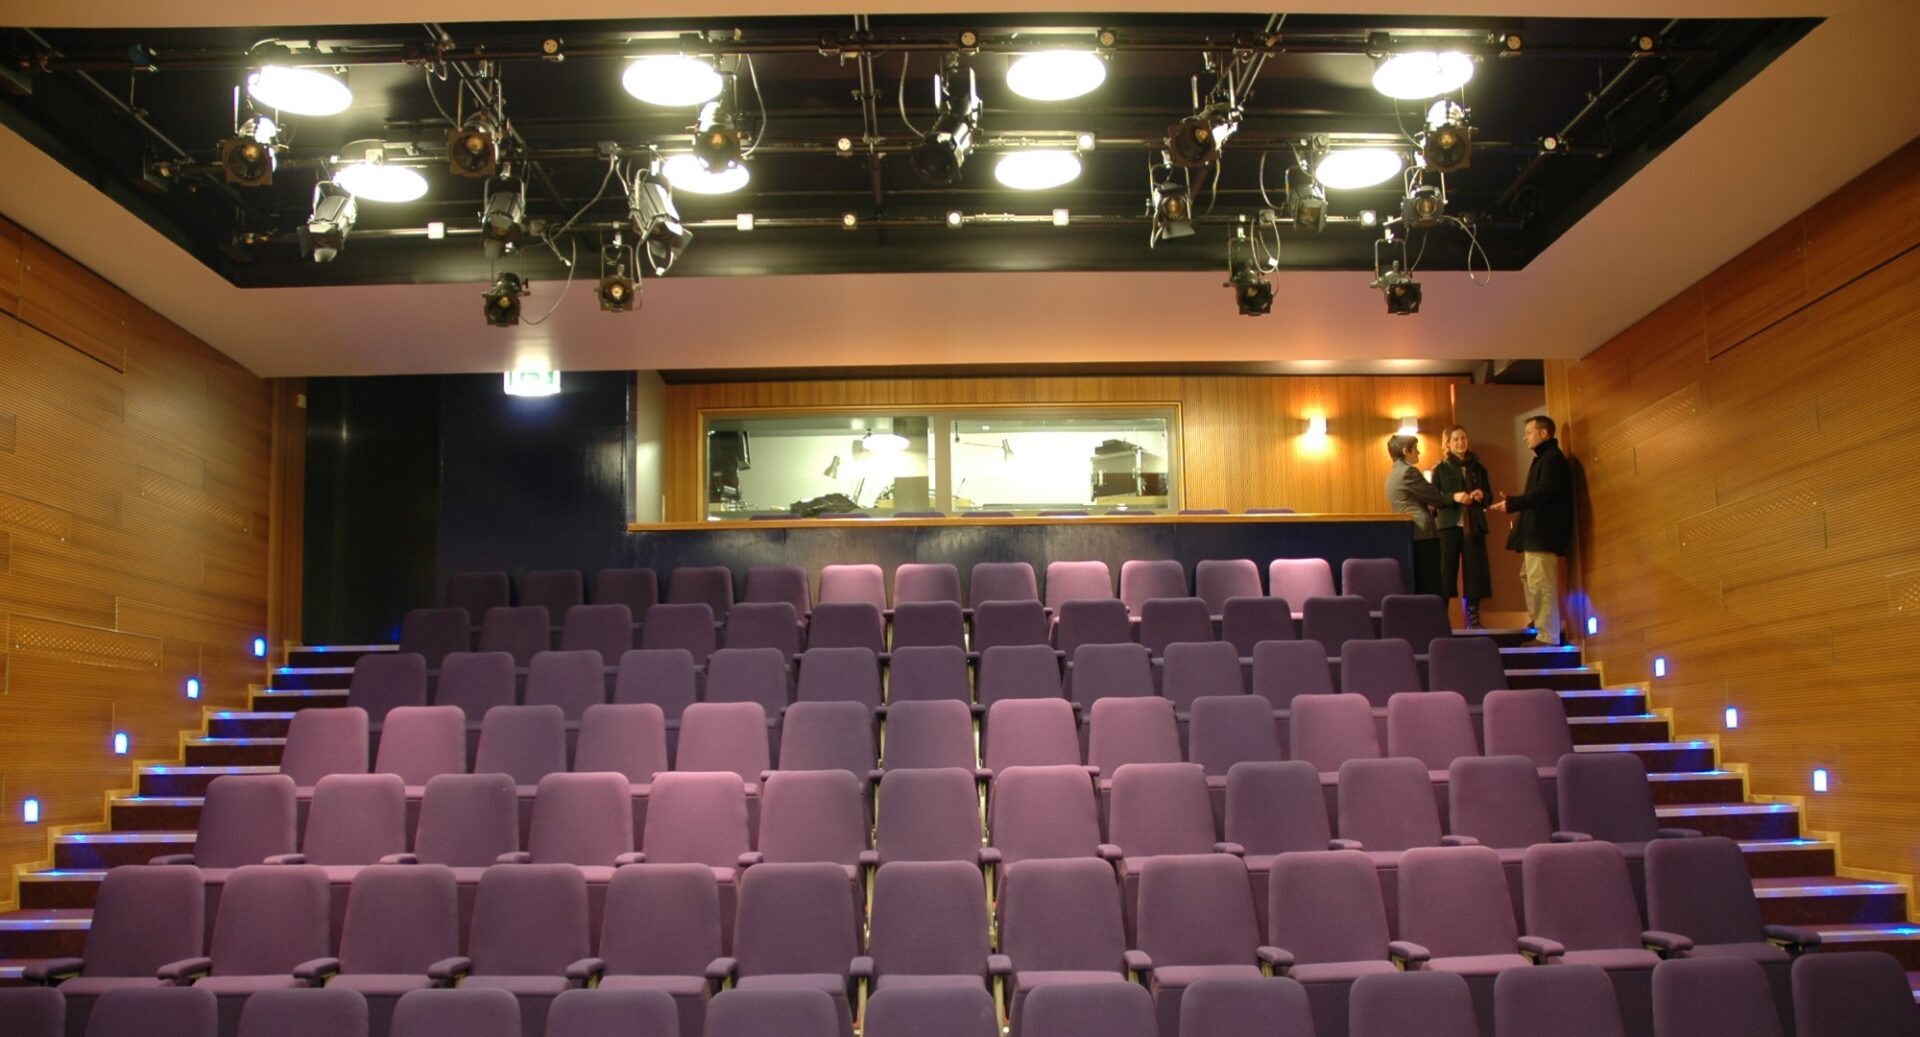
(1659, 666)
(30, 810)
(1733, 718)
(1820, 780)
(193, 687)
(121, 743)
(1593, 625)
(259, 648)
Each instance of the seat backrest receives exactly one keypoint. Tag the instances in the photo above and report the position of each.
(757, 675)
(245, 819)
(1283, 670)
(474, 682)
(1417, 619)
(1580, 895)
(478, 591)
(822, 736)
(772, 625)
(1325, 906)
(839, 675)
(1335, 621)
(1497, 800)
(1089, 1010)
(1468, 665)
(687, 625)
(1142, 580)
(1329, 730)
(1607, 796)
(555, 590)
(1372, 579)
(606, 629)
(696, 818)
(855, 582)
(1031, 733)
(1071, 581)
(788, 583)
(612, 1013)
(769, 1012)
(1388, 804)
(1018, 672)
(709, 585)
(1529, 722)
(913, 900)
(143, 918)
(724, 736)
(459, 1012)
(1131, 730)
(929, 623)
(660, 677)
(1714, 997)
(1001, 581)
(926, 581)
(1379, 669)
(325, 741)
(1230, 729)
(304, 1012)
(1433, 727)
(584, 819)
(794, 919)
(848, 624)
(574, 681)
(927, 814)
(525, 742)
(637, 589)
(1701, 887)
(521, 631)
(1196, 910)
(432, 633)
(1245, 1008)
(1016, 622)
(383, 680)
(529, 920)
(1454, 901)
(272, 917)
(1215, 580)
(155, 1012)
(812, 816)
(920, 673)
(42, 1012)
(929, 734)
(1062, 915)
(931, 1012)
(401, 918)
(1297, 579)
(1851, 994)
(661, 920)
(1193, 670)
(467, 820)
(1110, 671)
(356, 819)
(1276, 807)
(1043, 812)
(1247, 621)
(628, 739)
(1569, 1001)
(1168, 621)
(1429, 1003)
(1092, 621)
(1160, 808)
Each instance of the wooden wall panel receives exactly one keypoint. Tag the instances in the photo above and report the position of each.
(1240, 435)
(1749, 509)
(133, 547)
(12, 240)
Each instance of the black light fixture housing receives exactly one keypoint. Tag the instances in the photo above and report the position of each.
(1247, 276)
(326, 229)
(1307, 205)
(1170, 204)
(473, 150)
(717, 137)
(617, 292)
(1447, 144)
(655, 219)
(1396, 283)
(1423, 206)
(502, 220)
(248, 158)
(942, 151)
(503, 300)
(1195, 141)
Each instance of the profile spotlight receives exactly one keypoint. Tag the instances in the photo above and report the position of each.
(1252, 291)
(503, 300)
(1401, 290)
(1447, 144)
(656, 220)
(617, 293)
(943, 150)
(473, 150)
(1172, 206)
(502, 221)
(1307, 205)
(1195, 140)
(1423, 206)
(326, 230)
(247, 162)
(717, 140)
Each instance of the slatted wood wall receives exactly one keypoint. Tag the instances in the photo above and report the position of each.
(134, 504)
(1242, 435)
(1753, 508)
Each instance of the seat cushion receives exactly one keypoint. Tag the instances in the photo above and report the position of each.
(1479, 964)
(1614, 959)
(94, 986)
(520, 986)
(244, 986)
(380, 985)
(1028, 979)
(1187, 975)
(1764, 953)
(678, 986)
(899, 982)
(1339, 971)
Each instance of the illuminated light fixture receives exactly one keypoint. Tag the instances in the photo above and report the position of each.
(1171, 206)
(618, 293)
(1447, 144)
(1037, 170)
(843, 147)
(259, 648)
(1420, 74)
(743, 221)
(502, 221)
(717, 139)
(473, 150)
(369, 178)
(436, 230)
(1086, 141)
(502, 301)
(1056, 75)
(849, 221)
(249, 158)
(1401, 290)
(1317, 425)
(1061, 217)
(1247, 276)
(954, 219)
(30, 810)
(1659, 666)
(942, 151)
(1369, 218)
(1351, 168)
(1409, 425)
(1820, 779)
(301, 91)
(1195, 141)
(193, 687)
(1593, 625)
(673, 81)
(884, 442)
(655, 218)
(688, 173)
(1307, 206)
(121, 743)
(533, 382)
(1423, 206)
(1732, 717)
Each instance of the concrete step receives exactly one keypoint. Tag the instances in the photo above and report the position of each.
(233, 723)
(175, 780)
(1571, 678)
(82, 851)
(55, 932)
(313, 677)
(156, 813)
(1693, 787)
(1735, 820)
(1604, 702)
(296, 699)
(1900, 939)
(331, 656)
(1661, 756)
(67, 888)
(1829, 900)
(1788, 858)
(1645, 727)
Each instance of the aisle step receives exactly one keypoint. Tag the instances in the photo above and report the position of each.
(1900, 939)
(55, 932)
(1735, 820)
(327, 656)
(80, 851)
(156, 813)
(1604, 702)
(175, 780)
(1828, 900)
(73, 887)
(295, 699)
(1505, 637)
(310, 677)
(233, 723)
(1693, 787)
(1644, 727)
(1661, 756)
(1788, 858)
(1572, 678)
(1530, 657)
(235, 752)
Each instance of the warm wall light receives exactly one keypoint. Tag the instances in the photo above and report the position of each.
(1409, 425)
(1317, 425)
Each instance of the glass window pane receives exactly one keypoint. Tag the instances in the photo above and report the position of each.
(817, 464)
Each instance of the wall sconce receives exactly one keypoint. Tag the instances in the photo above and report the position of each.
(1317, 426)
(1410, 425)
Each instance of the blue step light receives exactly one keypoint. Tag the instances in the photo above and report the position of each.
(1593, 625)
(121, 743)
(1733, 717)
(30, 810)
(1819, 779)
(1659, 666)
(193, 687)
(259, 648)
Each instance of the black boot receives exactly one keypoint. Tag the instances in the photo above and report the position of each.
(1473, 612)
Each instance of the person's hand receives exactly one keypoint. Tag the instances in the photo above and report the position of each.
(1462, 498)
(1499, 505)
(1479, 495)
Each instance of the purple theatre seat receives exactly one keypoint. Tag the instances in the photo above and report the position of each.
(1018, 672)
(1131, 730)
(927, 814)
(1195, 922)
(1226, 730)
(245, 819)
(1605, 795)
(1074, 581)
(1852, 994)
(605, 629)
(529, 930)
(574, 681)
(1454, 902)
(1496, 801)
(1468, 665)
(272, 919)
(1417, 619)
(356, 820)
(860, 582)
(709, 585)
(1578, 895)
(1388, 807)
(583, 820)
(788, 583)
(466, 822)
(322, 742)
(400, 920)
(1324, 909)
(478, 591)
(555, 590)
(1531, 723)
(927, 674)
(155, 1012)
(628, 740)
(1245, 1008)
(1247, 621)
(1002, 581)
(39, 1012)
(1431, 1004)
(1031, 733)
(1216, 580)
(1379, 669)
(1372, 579)
(659, 677)
(1701, 889)
(1297, 579)
(613, 1013)
(1272, 809)
(828, 736)
(848, 624)
(929, 734)
(931, 1012)
(1569, 1001)
(1713, 997)
(1335, 621)
(814, 817)
(929, 623)
(772, 625)
(1045, 813)
(1433, 727)
(699, 818)
(1194, 670)
(912, 902)
(1100, 1010)
(724, 736)
(926, 581)
(1159, 810)
(1092, 621)
(796, 930)
(476, 1012)
(637, 589)
(1009, 622)
(773, 1012)
(687, 626)
(757, 675)
(661, 933)
(1283, 670)
(1103, 671)
(383, 680)
(1329, 730)
(432, 633)
(520, 631)
(1061, 926)
(475, 682)
(143, 918)
(840, 675)
(527, 743)
(1142, 580)
(1168, 621)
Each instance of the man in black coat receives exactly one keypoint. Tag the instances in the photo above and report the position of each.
(1542, 527)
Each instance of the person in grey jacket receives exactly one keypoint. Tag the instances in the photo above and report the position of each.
(1410, 493)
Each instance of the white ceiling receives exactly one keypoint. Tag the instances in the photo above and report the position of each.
(1845, 94)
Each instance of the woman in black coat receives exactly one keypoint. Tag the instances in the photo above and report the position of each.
(1463, 524)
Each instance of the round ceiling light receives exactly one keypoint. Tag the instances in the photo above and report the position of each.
(686, 173)
(672, 81)
(1357, 167)
(1420, 74)
(367, 177)
(1056, 75)
(1037, 170)
(299, 91)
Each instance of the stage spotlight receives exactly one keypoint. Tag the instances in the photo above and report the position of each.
(473, 150)
(326, 229)
(1354, 168)
(717, 140)
(1307, 205)
(1418, 75)
(503, 300)
(302, 91)
(1195, 141)
(1447, 144)
(365, 172)
(943, 150)
(1423, 206)
(656, 220)
(1401, 290)
(1252, 291)
(1369, 218)
(618, 293)
(1056, 75)
(249, 158)
(672, 81)
(502, 222)
(1172, 208)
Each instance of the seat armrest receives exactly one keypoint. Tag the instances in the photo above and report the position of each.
(1233, 848)
(1274, 961)
(1345, 844)
(448, 972)
(750, 858)
(286, 858)
(1108, 852)
(982, 775)
(989, 856)
(1677, 833)
(586, 972)
(1665, 944)
(1093, 772)
(172, 858)
(1139, 966)
(182, 973)
(1458, 840)
(315, 973)
(1540, 950)
(400, 858)
(1572, 837)
(1408, 956)
(51, 972)
(875, 775)
(516, 857)
(720, 973)
(1794, 939)
(861, 969)
(999, 965)
(869, 858)
(764, 775)
(630, 857)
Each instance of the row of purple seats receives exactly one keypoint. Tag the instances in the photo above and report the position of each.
(556, 590)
